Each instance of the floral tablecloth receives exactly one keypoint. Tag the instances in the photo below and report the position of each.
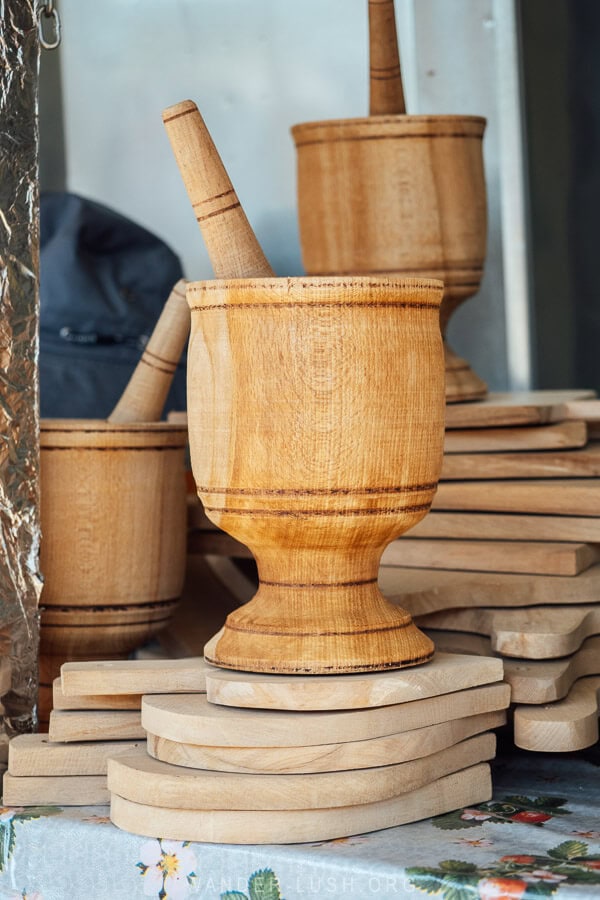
(539, 836)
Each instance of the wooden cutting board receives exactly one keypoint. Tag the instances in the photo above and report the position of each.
(191, 719)
(504, 527)
(444, 674)
(584, 463)
(562, 436)
(564, 726)
(423, 591)
(522, 408)
(531, 681)
(559, 496)
(529, 557)
(95, 725)
(465, 788)
(540, 632)
(379, 751)
(34, 754)
(93, 701)
(140, 676)
(143, 779)
(55, 790)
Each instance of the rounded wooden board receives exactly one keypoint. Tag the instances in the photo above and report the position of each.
(464, 788)
(380, 751)
(446, 673)
(142, 779)
(190, 718)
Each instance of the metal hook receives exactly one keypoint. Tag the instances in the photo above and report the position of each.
(47, 10)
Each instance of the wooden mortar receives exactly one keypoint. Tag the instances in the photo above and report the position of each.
(316, 425)
(396, 194)
(113, 549)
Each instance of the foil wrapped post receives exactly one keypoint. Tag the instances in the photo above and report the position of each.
(20, 582)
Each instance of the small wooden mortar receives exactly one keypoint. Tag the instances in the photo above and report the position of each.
(316, 424)
(113, 515)
(396, 194)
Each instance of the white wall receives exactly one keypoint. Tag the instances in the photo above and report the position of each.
(255, 67)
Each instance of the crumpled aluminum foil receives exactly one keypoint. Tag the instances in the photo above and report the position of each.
(20, 581)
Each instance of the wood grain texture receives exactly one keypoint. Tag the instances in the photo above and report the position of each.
(386, 94)
(540, 632)
(51, 790)
(232, 245)
(464, 788)
(584, 463)
(35, 754)
(112, 502)
(71, 632)
(143, 779)
(146, 392)
(134, 676)
(531, 681)
(530, 557)
(523, 408)
(191, 719)
(444, 674)
(402, 195)
(504, 527)
(92, 701)
(379, 751)
(561, 727)
(561, 436)
(95, 725)
(429, 590)
(292, 454)
(558, 496)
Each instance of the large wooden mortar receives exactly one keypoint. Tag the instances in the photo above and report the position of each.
(398, 195)
(316, 425)
(113, 550)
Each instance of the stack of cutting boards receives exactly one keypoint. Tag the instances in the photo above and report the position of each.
(512, 548)
(241, 758)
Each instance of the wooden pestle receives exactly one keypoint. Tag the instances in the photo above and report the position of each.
(144, 397)
(231, 243)
(386, 95)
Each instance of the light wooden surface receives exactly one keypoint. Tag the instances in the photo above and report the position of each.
(145, 395)
(133, 676)
(504, 527)
(523, 408)
(561, 727)
(429, 590)
(531, 681)
(561, 436)
(584, 463)
(35, 754)
(539, 632)
(95, 725)
(232, 246)
(310, 464)
(533, 557)
(191, 719)
(464, 788)
(386, 95)
(92, 701)
(444, 674)
(558, 496)
(143, 779)
(402, 195)
(55, 790)
(379, 751)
